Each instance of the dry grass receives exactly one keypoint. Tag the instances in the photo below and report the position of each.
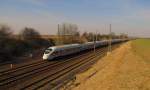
(141, 47)
(122, 70)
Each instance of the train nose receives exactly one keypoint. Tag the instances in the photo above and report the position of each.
(45, 57)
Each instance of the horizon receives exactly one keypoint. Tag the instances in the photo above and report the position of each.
(126, 16)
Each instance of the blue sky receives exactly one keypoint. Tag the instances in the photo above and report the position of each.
(126, 16)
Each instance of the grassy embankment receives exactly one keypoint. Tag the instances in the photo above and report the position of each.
(126, 68)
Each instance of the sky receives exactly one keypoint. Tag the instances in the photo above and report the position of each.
(126, 16)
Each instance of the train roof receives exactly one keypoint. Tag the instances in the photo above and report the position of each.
(63, 46)
(96, 41)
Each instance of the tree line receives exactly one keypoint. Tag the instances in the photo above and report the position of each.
(28, 40)
(69, 33)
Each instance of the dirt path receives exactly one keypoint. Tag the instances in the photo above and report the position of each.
(121, 70)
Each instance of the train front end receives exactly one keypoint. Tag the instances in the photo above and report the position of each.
(47, 54)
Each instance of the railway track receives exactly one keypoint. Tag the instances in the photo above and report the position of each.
(69, 76)
(52, 78)
(13, 76)
(8, 78)
(11, 73)
(20, 67)
(56, 74)
(21, 74)
(23, 67)
(56, 83)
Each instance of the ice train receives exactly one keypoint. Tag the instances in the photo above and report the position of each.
(63, 50)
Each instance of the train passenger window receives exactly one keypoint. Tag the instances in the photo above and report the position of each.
(56, 52)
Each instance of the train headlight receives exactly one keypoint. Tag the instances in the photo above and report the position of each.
(45, 56)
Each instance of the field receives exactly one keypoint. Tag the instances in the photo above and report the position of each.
(126, 68)
(141, 47)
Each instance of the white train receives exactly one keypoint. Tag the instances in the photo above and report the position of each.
(57, 51)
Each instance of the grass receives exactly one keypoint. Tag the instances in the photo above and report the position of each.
(142, 48)
(127, 68)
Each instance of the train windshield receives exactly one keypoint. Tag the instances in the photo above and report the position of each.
(47, 51)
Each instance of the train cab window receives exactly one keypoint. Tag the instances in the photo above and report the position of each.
(47, 51)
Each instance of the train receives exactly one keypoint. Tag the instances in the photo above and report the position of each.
(63, 50)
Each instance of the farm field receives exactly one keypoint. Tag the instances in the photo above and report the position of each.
(141, 47)
(126, 68)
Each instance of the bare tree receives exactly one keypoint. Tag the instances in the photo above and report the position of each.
(5, 43)
(5, 31)
(68, 32)
(29, 34)
(84, 37)
(90, 36)
(99, 37)
(85, 34)
(5, 35)
(113, 35)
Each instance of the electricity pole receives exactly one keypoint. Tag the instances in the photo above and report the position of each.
(95, 39)
(109, 46)
(58, 35)
(96, 35)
